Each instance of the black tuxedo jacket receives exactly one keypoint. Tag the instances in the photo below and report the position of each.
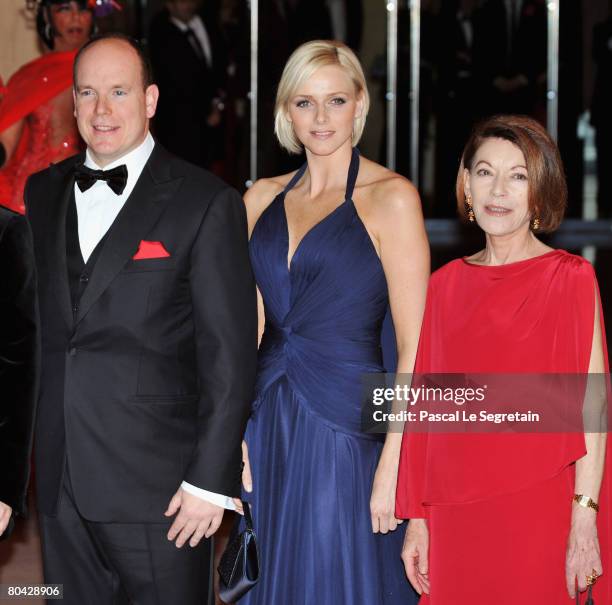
(19, 353)
(150, 382)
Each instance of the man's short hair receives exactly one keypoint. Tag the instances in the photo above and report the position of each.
(145, 66)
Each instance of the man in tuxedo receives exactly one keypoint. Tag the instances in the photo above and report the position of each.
(18, 364)
(148, 319)
(189, 67)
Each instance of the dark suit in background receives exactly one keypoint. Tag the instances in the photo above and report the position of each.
(505, 50)
(601, 114)
(455, 105)
(19, 352)
(571, 101)
(188, 85)
(308, 20)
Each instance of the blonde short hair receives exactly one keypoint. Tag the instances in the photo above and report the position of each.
(303, 62)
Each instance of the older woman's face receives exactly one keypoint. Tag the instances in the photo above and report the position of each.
(323, 110)
(499, 188)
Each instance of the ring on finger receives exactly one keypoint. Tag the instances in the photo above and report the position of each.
(592, 578)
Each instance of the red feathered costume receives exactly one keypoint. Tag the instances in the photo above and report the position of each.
(30, 94)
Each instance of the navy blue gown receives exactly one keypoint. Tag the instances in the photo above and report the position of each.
(312, 466)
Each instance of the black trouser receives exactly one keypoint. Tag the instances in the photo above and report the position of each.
(120, 563)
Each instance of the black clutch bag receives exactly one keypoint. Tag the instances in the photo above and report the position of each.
(239, 565)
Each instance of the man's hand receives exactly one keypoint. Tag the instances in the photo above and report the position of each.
(196, 518)
(5, 515)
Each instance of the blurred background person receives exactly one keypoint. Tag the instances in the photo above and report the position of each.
(37, 125)
(571, 102)
(189, 64)
(601, 113)
(235, 28)
(509, 52)
(454, 96)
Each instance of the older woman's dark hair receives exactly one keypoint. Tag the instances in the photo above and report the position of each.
(545, 174)
(44, 26)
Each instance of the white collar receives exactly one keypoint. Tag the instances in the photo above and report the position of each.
(185, 26)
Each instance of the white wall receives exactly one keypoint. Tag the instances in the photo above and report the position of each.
(18, 39)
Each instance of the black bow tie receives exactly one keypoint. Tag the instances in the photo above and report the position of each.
(115, 178)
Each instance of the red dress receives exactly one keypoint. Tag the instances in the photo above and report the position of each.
(499, 505)
(29, 94)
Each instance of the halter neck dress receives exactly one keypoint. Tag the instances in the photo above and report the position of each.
(312, 466)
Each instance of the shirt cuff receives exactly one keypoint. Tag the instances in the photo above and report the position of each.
(212, 497)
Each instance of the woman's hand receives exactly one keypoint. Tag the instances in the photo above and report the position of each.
(382, 500)
(583, 555)
(415, 554)
(247, 479)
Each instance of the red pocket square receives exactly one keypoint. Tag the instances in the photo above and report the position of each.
(151, 250)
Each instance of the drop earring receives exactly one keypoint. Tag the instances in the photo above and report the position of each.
(469, 208)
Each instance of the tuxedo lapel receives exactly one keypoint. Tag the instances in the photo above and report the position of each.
(153, 191)
(56, 241)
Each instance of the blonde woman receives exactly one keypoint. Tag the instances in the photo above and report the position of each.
(331, 246)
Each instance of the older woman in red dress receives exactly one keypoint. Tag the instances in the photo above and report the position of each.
(493, 517)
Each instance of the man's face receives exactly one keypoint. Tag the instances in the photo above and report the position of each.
(111, 106)
(183, 10)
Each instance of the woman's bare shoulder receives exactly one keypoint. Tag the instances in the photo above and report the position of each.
(386, 190)
(262, 189)
(261, 194)
(266, 189)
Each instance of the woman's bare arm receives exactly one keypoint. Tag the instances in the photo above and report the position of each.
(9, 139)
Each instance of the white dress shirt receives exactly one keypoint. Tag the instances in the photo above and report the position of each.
(197, 26)
(97, 209)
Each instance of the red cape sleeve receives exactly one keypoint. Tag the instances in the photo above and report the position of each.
(409, 494)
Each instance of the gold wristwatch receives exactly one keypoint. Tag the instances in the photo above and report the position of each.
(586, 502)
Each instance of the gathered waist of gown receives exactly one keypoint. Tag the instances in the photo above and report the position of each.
(339, 348)
(327, 377)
